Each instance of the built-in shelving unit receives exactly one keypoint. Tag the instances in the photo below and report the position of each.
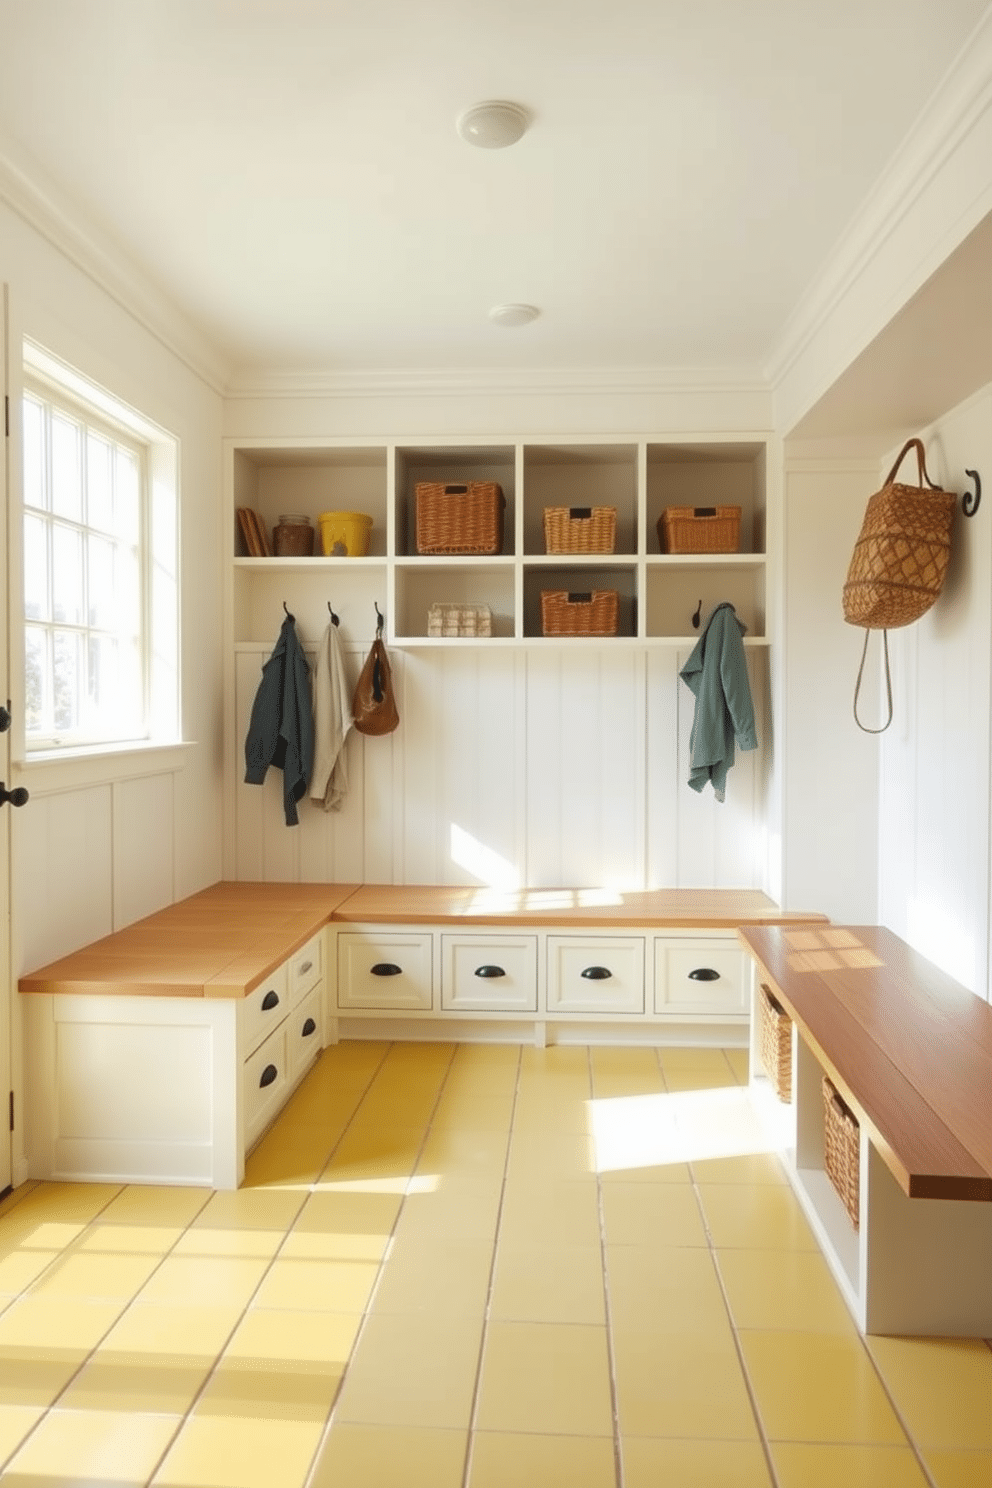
(658, 593)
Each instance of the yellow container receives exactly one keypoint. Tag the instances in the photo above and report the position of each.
(347, 530)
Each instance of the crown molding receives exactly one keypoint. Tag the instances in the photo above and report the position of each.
(961, 99)
(495, 382)
(45, 209)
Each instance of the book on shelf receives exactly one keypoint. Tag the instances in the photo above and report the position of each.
(253, 533)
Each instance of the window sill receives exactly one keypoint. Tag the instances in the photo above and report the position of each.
(54, 770)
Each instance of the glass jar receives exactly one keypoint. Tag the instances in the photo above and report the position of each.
(292, 537)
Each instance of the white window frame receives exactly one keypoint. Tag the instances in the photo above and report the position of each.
(53, 380)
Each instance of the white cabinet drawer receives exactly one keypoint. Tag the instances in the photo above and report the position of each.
(595, 974)
(264, 1074)
(387, 970)
(489, 974)
(700, 976)
(306, 968)
(304, 1032)
(263, 1009)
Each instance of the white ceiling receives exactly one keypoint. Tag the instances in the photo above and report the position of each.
(288, 174)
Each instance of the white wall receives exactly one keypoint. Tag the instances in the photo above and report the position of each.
(934, 813)
(520, 768)
(96, 848)
(830, 768)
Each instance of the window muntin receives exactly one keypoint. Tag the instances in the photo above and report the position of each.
(85, 576)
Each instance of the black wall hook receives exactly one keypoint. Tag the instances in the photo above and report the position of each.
(379, 621)
(971, 499)
(334, 618)
(695, 618)
(289, 616)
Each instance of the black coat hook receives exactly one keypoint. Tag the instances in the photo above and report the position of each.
(288, 615)
(970, 500)
(334, 618)
(380, 620)
(695, 618)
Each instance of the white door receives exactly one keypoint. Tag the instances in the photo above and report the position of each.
(6, 1007)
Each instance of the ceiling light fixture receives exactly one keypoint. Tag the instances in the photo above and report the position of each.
(513, 315)
(493, 125)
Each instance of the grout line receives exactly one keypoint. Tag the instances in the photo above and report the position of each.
(367, 1309)
(60, 1256)
(610, 1351)
(738, 1348)
(245, 1309)
(474, 1408)
(896, 1411)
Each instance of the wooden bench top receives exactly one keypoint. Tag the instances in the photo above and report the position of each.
(223, 941)
(908, 1048)
(596, 909)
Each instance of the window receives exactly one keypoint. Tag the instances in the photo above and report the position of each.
(100, 572)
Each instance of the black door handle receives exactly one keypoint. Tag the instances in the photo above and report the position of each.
(490, 971)
(270, 1000)
(268, 1075)
(16, 797)
(597, 973)
(704, 974)
(386, 968)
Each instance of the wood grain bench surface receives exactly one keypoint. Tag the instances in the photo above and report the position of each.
(909, 1049)
(224, 940)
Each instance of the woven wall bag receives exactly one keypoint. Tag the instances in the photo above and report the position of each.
(900, 559)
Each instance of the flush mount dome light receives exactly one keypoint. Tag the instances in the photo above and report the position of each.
(493, 125)
(513, 315)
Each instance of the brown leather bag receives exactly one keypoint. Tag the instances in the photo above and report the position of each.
(374, 705)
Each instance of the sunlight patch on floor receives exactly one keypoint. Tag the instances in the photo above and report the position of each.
(645, 1131)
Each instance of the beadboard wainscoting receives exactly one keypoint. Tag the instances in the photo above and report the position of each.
(518, 767)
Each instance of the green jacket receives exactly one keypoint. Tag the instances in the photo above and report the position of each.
(716, 673)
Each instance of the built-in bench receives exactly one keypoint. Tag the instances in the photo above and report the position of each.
(162, 1052)
(909, 1051)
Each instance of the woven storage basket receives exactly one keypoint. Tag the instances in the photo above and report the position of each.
(699, 529)
(460, 518)
(841, 1150)
(593, 612)
(580, 529)
(901, 557)
(775, 1044)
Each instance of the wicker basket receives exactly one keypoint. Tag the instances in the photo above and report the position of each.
(841, 1150)
(775, 1044)
(460, 518)
(580, 529)
(699, 529)
(593, 613)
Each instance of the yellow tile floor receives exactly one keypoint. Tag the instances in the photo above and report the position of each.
(469, 1267)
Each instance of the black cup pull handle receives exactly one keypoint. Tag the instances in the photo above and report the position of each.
(268, 1075)
(270, 1000)
(307, 966)
(386, 968)
(490, 971)
(308, 1028)
(597, 973)
(704, 974)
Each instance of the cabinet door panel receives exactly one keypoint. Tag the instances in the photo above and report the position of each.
(385, 971)
(700, 976)
(491, 974)
(306, 968)
(595, 974)
(265, 1075)
(263, 1009)
(305, 1032)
